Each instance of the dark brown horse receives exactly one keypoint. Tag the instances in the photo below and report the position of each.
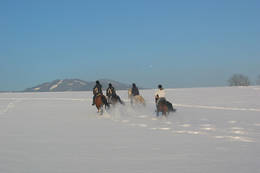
(164, 107)
(100, 101)
(115, 99)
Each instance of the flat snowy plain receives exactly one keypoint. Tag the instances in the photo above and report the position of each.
(214, 130)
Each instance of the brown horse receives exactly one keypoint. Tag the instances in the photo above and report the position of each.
(100, 101)
(138, 99)
(164, 107)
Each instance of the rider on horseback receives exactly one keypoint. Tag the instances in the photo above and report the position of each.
(160, 95)
(111, 93)
(135, 90)
(161, 102)
(96, 91)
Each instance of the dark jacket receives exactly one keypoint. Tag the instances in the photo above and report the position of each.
(97, 89)
(111, 92)
(135, 91)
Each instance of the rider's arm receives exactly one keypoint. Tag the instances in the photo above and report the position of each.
(156, 94)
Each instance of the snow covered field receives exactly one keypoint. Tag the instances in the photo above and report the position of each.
(214, 130)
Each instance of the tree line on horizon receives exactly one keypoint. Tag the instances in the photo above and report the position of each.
(242, 80)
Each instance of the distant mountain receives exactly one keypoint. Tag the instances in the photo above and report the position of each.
(75, 85)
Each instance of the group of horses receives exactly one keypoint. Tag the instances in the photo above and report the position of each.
(102, 102)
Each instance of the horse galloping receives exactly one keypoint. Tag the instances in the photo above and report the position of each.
(100, 101)
(138, 99)
(165, 107)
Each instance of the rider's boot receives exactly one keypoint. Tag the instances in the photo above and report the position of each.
(93, 102)
(157, 110)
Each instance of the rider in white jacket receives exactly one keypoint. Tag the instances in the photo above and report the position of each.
(160, 94)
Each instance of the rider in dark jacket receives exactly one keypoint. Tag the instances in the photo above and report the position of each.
(135, 90)
(111, 93)
(97, 90)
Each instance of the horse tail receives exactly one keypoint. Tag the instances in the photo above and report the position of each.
(170, 107)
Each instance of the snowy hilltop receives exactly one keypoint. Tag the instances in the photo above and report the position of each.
(74, 85)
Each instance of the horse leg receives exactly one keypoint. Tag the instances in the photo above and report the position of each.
(164, 113)
(97, 108)
(167, 111)
(157, 111)
(101, 111)
(164, 110)
(142, 101)
(131, 101)
(120, 101)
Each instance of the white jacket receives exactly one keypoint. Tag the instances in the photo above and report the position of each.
(160, 93)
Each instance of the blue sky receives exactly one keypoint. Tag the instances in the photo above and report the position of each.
(175, 43)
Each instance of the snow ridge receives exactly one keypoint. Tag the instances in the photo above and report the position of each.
(56, 85)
